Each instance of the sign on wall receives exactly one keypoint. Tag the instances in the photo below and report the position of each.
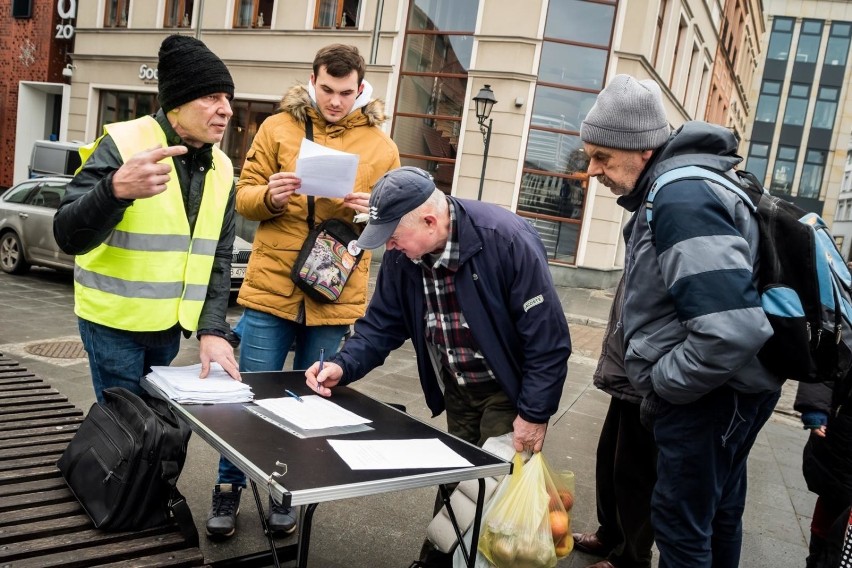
(67, 10)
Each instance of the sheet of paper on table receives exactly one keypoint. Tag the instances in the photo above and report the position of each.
(313, 412)
(183, 385)
(325, 172)
(427, 453)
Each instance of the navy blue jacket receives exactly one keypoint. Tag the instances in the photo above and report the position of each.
(508, 299)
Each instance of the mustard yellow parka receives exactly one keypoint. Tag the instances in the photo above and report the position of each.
(267, 286)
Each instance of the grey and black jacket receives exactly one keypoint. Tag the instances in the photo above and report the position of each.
(692, 315)
(90, 211)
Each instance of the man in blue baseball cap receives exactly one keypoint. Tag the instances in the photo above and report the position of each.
(468, 283)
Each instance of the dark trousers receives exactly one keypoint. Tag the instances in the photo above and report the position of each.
(698, 501)
(625, 473)
(474, 414)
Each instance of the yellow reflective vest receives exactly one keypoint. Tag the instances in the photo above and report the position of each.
(151, 273)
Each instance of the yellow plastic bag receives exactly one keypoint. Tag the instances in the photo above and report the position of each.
(517, 532)
(560, 490)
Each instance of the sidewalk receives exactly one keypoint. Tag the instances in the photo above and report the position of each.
(39, 329)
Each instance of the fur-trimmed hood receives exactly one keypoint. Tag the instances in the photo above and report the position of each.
(297, 101)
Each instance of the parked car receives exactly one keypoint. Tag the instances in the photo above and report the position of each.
(26, 225)
(26, 230)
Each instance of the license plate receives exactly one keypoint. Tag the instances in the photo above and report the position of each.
(238, 272)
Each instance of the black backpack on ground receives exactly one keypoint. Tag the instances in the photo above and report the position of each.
(124, 461)
(804, 284)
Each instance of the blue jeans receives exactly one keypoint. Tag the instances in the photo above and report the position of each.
(116, 359)
(265, 341)
(698, 501)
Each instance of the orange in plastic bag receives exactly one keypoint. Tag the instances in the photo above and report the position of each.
(528, 523)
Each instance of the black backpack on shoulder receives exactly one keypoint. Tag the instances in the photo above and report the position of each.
(124, 462)
(805, 286)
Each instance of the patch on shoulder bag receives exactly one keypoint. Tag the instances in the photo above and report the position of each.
(353, 248)
(532, 302)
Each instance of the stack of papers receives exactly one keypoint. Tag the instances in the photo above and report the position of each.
(182, 385)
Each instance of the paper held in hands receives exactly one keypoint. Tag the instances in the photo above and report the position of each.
(325, 172)
(430, 453)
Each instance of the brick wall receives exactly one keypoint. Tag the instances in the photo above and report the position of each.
(28, 52)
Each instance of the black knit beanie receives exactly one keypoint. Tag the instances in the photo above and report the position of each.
(188, 70)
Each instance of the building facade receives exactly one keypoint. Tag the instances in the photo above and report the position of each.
(800, 135)
(36, 40)
(428, 59)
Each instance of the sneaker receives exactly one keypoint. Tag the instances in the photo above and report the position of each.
(281, 519)
(222, 519)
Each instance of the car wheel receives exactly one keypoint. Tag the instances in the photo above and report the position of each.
(12, 258)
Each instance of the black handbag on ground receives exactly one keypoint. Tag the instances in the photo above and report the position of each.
(329, 255)
(124, 461)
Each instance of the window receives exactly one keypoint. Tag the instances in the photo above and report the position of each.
(758, 158)
(797, 104)
(809, 39)
(178, 14)
(661, 16)
(247, 118)
(812, 173)
(431, 98)
(785, 168)
(253, 13)
(767, 104)
(679, 47)
(825, 108)
(837, 49)
(340, 14)
(20, 193)
(118, 106)
(572, 70)
(779, 41)
(115, 15)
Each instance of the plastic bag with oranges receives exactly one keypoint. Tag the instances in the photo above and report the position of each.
(529, 527)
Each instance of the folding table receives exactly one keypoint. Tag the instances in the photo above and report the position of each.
(307, 471)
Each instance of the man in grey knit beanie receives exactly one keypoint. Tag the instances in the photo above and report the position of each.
(692, 325)
(629, 121)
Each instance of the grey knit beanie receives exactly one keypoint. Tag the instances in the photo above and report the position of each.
(627, 115)
(187, 70)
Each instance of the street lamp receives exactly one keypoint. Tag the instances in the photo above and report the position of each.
(484, 102)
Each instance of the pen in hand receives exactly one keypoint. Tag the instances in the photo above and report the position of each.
(294, 395)
(321, 362)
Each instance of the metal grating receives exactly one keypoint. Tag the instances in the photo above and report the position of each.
(58, 349)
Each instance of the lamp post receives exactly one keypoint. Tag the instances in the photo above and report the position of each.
(484, 102)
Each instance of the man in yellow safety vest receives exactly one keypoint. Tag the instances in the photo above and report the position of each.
(150, 216)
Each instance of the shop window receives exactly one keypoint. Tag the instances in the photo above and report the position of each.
(118, 106)
(115, 15)
(242, 128)
(178, 14)
(253, 13)
(340, 14)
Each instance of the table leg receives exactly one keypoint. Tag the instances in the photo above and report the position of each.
(469, 555)
(477, 521)
(264, 524)
(306, 515)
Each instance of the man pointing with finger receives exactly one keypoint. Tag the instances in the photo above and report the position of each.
(150, 216)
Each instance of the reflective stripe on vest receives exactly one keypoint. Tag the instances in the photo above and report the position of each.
(150, 273)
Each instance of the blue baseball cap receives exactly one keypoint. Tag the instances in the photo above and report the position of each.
(397, 193)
